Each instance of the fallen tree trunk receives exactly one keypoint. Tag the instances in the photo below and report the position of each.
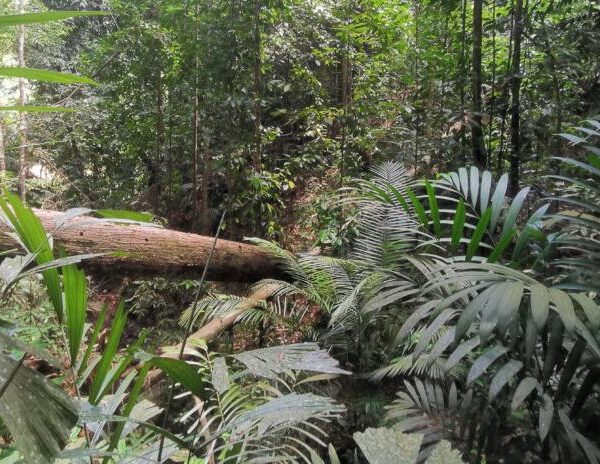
(145, 251)
(211, 330)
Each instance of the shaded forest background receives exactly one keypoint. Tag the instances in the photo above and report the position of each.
(258, 107)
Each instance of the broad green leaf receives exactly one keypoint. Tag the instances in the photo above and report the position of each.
(513, 211)
(460, 352)
(37, 109)
(333, 457)
(492, 312)
(486, 187)
(98, 326)
(458, 224)
(555, 344)
(101, 374)
(441, 345)
(44, 17)
(315, 458)
(540, 305)
(504, 375)
(473, 309)
(123, 214)
(478, 233)
(587, 167)
(271, 361)
(434, 209)
(75, 304)
(45, 75)
(523, 390)
(131, 401)
(572, 363)
(181, 372)
(564, 307)
(433, 329)
(545, 417)
(474, 185)
(509, 306)
(590, 308)
(572, 138)
(484, 361)
(419, 210)
(527, 232)
(498, 201)
(399, 197)
(31, 233)
(502, 245)
(463, 175)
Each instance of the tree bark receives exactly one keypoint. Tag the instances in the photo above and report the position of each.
(479, 155)
(461, 78)
(211, 330)
(139, 250)
(195, 125)
(504, 99)
(22, 187)
(257, 149)
(2, 151)
(515, 110)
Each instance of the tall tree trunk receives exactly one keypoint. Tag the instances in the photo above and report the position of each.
(155, 185)
(257, 149)
(2, 151)
(418, 106)
(22, 187)
(195, 125)
(515, 109)
(493, 89)
(461, 78)
(505, 93)
(479, 154)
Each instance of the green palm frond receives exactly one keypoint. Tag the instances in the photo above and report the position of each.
(212, 307)
(578, 243)
(521, 339)
(41, 429)
(386, 228)
(427, 409)
(392, 446)
(272, 361)
(247, 418)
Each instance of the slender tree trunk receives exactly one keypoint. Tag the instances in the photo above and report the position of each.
(515, 110)
(257, 150)
(479, 154)
(493, 90)
(463, 72)
(2, 151)
(204, 218)
(505, 93)
(418, 109)
(160, 141)
(346, 81)
(23, 149)
(195, 125)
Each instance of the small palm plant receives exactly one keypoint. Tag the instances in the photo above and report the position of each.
(520, 316)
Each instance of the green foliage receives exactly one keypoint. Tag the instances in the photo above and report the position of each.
(387, 446)
(247, 414)
(44, 17)
(38, 414)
